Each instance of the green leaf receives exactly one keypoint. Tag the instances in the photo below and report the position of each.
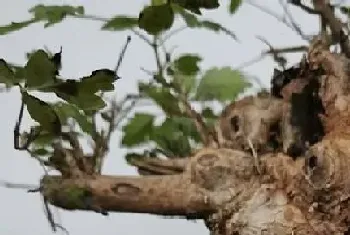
(82, 92)
(39, 70)
(40, 152)
(186, 83)
(221, 84)
(66, 111)
(192, 21)
(171, 137)
(7, 76)
(234, 5)
(186, 126)
(162, 97)
(195, 5)
(89, 103)
(15, 26)
(54, 14)
(130, 157)
(187, 64)
(99, 80)
(216, 27)
(158, 2)
(43, 113)
(44, 139)
(121, 22)
(155, 19)
(137, 130)
(345, 10)
(209, 116)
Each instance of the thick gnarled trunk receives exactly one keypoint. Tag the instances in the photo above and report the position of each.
(308, 195)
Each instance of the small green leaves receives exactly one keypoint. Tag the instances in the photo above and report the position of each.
(171, 139)
(99, 80)
(234, 5)
(66, 111)
(54, 14)
(137, 130)
(195, 5)
(83, 92)
(120, 23)
(43, 113)
(221, 84)
(7, 76)
(345, 10)
(39, 70)
(14, 26)
(158, 2)
(187, 64)
(162, 97)
(155, 19)
(192, 21)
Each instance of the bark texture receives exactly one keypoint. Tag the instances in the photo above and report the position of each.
(267, 173)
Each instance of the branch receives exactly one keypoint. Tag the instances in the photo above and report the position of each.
(102, 19)
(280, 18)
(161, 195)
(302, 6)
(335, 25)
(326, 12)
(28, 187)
(208, 137)
(272, 51)
(292, 21)
(157, 166)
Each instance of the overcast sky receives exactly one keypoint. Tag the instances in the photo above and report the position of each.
(86, 48)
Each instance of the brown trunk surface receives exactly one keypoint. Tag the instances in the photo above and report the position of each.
(306, 196)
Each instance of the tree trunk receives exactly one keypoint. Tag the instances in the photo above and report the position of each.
(304, 195)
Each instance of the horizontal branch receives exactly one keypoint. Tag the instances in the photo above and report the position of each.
(157, 166)
(161, 195)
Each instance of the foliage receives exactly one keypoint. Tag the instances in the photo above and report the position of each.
(221, 84)
(177, 81)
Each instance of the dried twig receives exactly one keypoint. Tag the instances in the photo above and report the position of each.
(291, 19)
(102, 19)
(327, 14)
(28, 187)
(280, 18)
(122, 54)
(255, 155)
(273, 51)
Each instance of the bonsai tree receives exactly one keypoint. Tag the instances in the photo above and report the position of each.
(272, 163)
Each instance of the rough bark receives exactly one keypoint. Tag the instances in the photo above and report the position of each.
(308, 194)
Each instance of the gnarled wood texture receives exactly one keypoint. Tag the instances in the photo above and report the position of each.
(304, 195)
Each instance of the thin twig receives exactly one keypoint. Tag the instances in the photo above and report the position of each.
(103, 19)
(280, 18)
(156, 54)
(291, 19)
(142, 37)
(294, 49)
(122, 54)
(255, 155)
(304, 7)
(18, 186)
(208, 138)
(172, 33)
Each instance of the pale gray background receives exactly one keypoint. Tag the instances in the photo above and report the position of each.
(86, 48)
